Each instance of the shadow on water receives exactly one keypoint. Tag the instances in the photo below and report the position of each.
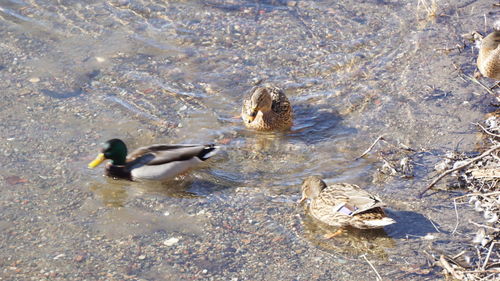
(314, 124)
(404, 228)
(82, 82)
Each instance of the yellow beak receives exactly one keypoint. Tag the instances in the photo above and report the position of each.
(98, 160)
(252, 115)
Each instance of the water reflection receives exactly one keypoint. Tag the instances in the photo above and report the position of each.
(116, 193)
(123, 222)
(352, 242)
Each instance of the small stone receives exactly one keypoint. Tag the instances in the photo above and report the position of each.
(171, 241)
(204, 271)
(79, 258)
(59, 256)
(100, 59)
(481, 233)
(34, 80)
(341, 261)
(141, 257)
(429, 237)
(441, 166)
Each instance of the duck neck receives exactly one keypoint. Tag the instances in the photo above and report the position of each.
(119, 160)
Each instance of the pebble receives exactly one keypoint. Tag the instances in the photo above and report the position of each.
(481, 233)
(59, 256)
(141, 257)
(79, 258)
(171, 241)
(429, 237)
(34, 80)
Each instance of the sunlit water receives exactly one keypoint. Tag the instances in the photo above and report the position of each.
(75, 74)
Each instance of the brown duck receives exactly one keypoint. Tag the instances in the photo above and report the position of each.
(267, 109)
(488, 60)
(343, 205)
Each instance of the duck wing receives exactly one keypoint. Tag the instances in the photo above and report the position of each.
(165, 153)
(280, 101)
(350, 196)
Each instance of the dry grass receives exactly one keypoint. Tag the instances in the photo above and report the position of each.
(430, 7)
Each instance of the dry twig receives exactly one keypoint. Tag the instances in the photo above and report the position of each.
(473, 79)
(370, 148)
(486, 153)
(488, 255)
(456, 214)
(435, 227)
(371, 265)
(486, 131)
(448, 267)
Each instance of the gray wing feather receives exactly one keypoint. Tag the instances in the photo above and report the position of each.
(353, 195)
(164, 153)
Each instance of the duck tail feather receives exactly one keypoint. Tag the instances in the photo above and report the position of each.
(380, 223)
(496, 25)
(209, 151)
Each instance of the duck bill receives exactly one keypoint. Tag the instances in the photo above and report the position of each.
(252, 116)
(98, 160)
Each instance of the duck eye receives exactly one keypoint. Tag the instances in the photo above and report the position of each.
(253, 114)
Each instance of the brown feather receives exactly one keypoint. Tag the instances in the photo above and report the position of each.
(280, 117)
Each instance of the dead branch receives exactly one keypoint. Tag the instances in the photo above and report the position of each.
(448, 267)
(370, 148)
(486, 131)
(371, 265)
(456, 214)
(486, 153)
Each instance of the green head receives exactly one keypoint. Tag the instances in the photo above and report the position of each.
(114, 150)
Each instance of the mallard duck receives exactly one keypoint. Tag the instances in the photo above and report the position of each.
(267, 109)
(488, 60)
(343, 204)
(155, 162)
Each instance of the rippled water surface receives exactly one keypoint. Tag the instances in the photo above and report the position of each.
(76, 73)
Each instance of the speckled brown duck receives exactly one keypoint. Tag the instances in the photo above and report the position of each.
(155, 162)
(488, 60)
(267, 109)
(343, 204)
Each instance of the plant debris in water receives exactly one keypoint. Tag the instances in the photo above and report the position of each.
(481, 261)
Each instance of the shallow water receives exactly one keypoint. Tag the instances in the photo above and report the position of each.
(75, 74)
